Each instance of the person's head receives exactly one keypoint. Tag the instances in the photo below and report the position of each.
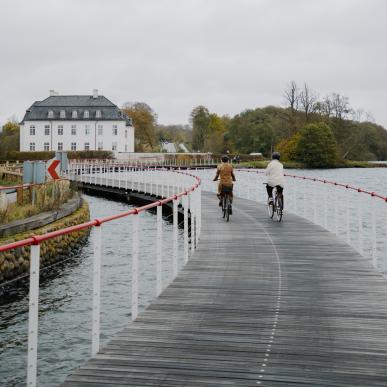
(275, 156)
(224, 159)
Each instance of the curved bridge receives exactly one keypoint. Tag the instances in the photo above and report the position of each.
(259, 303)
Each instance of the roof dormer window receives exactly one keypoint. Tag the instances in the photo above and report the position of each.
(75, 114)
(86, 114)
(98, 114)
(50, 114)
(62, 114)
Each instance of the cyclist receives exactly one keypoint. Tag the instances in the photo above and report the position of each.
(275, 176)
(226, 173)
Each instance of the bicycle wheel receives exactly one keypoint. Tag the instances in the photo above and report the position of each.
(279, 208)
(228, 210)
(270, 209)
(224, 206)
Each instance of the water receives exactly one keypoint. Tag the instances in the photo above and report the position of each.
(65, 299)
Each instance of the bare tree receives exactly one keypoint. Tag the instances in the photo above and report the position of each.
(291, 96)
(357, 115)
(308, 101)
(340, 105)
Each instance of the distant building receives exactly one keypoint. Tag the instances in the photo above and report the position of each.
(76, 122)
(168, 147)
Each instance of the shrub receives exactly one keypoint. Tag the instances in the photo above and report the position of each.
(317, 147)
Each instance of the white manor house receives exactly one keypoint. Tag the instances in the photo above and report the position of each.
(76, 122)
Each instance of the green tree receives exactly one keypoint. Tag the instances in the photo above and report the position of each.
(214, 140)
(252, 131)
(200, 120)
(9, 139)
(144, 122)
(317, 147)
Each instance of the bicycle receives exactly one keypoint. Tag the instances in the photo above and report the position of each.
(276, 206)
(226, 202)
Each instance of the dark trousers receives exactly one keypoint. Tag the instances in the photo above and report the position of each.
(269, 190)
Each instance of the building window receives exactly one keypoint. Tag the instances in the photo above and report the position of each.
(114, 146)
(50, 114)
(60, 146)
(98, 114)
(46, 146)
(87, 130)
(73, 130)
(32, 130)
(100, 130)
(86, 114)
(62, 114)
(32, 146)
(126, 133)
(100, 145)
(73, 146)
(60, 130)
(115, 130)
(126, 148)
(75, 114)
(46, 130)
(87, 146)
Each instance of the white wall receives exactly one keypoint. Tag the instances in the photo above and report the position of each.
(124, 144)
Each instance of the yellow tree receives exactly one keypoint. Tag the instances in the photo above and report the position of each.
(144, 121)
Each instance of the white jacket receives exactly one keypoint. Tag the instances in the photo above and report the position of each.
(275, 173)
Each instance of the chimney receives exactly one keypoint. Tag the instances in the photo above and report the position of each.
(95, 93)
(53, 92)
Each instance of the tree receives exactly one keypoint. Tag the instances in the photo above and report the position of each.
(144, 121)
(214, 140)
(9, 139)
(292, 96)
(317, 146)
(200, 120)
(308, 100)
(340, 106)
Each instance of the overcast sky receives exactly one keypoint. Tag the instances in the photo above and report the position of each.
(228, 55)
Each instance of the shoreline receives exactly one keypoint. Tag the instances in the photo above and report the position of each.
(296, 165)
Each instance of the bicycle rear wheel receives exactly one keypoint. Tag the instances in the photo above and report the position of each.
(224, 205)
(228, 210)
(279, 208)
(270, 209)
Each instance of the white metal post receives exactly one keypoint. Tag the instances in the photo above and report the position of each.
(185, 204)
(193, 221)
(360, 226)
(159, 252)
(197, 213)
(373, 228)
(33, 316)
(97, 238)
(175, 244)
(135, 267)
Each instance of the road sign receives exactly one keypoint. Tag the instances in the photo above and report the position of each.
(52, 166)
(34, 172)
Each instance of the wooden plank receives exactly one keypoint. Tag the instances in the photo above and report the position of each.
(259, 303)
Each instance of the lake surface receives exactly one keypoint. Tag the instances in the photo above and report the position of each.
(65, 297)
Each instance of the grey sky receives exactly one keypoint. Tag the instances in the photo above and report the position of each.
(228, 55)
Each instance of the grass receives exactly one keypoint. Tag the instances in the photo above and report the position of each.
(8, 183)
(49, 196)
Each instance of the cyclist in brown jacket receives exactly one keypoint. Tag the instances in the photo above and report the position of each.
(225, 172)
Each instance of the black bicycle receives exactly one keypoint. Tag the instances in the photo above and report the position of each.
(276, 206)
(226, 202)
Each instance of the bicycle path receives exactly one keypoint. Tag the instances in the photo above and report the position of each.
(260, 303)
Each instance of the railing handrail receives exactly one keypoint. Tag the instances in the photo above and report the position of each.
(37, 239)
(315, 179)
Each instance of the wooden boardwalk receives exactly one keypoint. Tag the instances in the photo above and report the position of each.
(260, 303)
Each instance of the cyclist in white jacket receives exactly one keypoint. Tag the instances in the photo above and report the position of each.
(275, 176)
